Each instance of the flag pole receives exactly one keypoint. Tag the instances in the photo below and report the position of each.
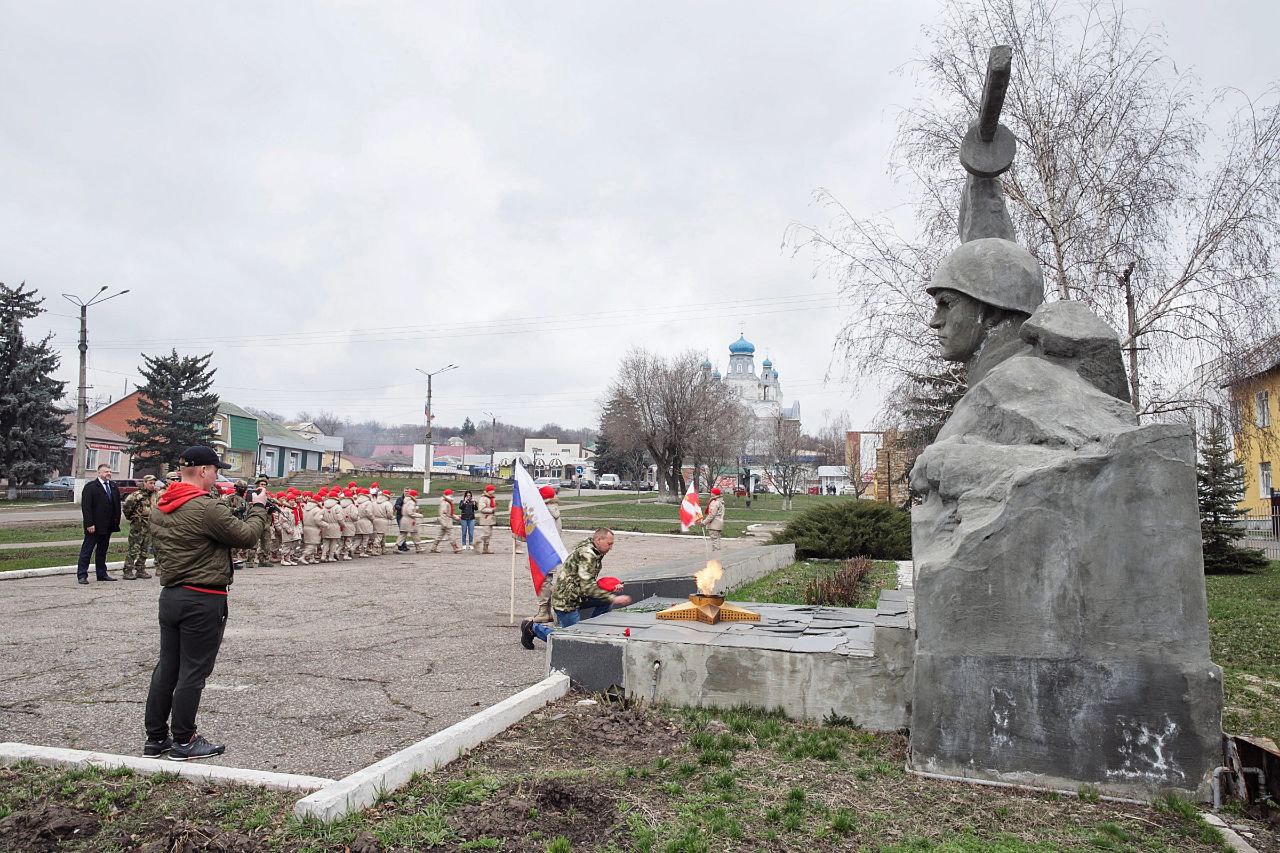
(511, 618)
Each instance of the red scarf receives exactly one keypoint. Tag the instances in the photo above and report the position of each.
(177, 494)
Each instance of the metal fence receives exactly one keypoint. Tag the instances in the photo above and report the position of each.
(1262, 532)
(39, 494)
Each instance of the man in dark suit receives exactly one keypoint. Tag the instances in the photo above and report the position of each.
(100, 509)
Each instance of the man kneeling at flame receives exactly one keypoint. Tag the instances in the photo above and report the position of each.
(578, 588)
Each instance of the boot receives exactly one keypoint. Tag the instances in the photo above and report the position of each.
(544, 613)
(142, 575)
(457, 550)
(486, 549)
(128, 573)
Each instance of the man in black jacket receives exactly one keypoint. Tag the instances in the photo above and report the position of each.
(100, 510)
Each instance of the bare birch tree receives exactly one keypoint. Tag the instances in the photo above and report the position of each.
(1119, 189)
(786, 465)
(669, 407)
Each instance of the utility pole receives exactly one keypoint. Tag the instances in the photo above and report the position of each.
(426, 476)
(82, 407)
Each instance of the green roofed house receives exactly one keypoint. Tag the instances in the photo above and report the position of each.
(281, 451)
(236, 439)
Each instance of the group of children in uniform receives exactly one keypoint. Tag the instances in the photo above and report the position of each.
(330, 525)
(334, 523)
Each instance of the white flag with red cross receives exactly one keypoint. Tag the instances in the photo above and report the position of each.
(690, 509)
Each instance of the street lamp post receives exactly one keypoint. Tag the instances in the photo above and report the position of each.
(426, 477)
(82, 407)
(493, 432)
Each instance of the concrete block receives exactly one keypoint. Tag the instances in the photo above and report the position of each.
(873, 691)
(50, 756)
(592, 663)
(362, 788)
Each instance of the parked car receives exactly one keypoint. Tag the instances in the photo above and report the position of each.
(553, 482)
(125, 487)
(61, 483)
(610, 481)
(848, 489)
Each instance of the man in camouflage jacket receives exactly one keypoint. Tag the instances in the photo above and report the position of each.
(577, 588)
(137, 508)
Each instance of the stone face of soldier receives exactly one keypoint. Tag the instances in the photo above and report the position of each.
(962, 323)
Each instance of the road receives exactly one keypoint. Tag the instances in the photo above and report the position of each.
(324, 669)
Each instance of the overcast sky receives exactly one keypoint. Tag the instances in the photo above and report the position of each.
(328, 195)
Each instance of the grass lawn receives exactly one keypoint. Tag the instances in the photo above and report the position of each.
(1244, 633)
(786, 585)
(641, 525)
(611, 778)
(764, 508)
(52, 533)
(39, 558)
(398, 482)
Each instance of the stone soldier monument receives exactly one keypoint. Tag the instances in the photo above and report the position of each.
(1062, 631)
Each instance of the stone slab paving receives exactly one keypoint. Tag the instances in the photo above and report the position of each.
(324, 669)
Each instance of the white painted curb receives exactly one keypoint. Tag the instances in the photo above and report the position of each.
(52, 756)
(363, 788)
(1234, 840)
(18, 574)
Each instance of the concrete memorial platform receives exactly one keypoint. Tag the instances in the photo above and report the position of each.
(805, 661)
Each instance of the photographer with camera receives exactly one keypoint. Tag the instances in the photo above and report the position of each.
(193, 535)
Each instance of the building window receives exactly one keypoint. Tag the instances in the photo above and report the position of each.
(1262, 409)
(90, 459)
(114, 462)
(1264, 479)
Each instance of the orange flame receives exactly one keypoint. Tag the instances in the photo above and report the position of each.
(706, 578)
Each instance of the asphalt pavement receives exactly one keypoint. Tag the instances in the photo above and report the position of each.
(323, 670)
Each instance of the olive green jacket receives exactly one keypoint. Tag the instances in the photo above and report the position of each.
(193, 543)
(575, 581)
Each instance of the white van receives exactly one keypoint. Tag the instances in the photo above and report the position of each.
(610, 481)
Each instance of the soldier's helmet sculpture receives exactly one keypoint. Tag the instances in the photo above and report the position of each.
(995, 271)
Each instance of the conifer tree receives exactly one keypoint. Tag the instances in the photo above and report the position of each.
(928, 405)
(32, 432)
(1220, 486)
(177, 408)
(468, 428)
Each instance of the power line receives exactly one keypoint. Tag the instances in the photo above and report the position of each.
(783, 305)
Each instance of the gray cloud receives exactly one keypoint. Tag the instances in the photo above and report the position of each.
(329, 195)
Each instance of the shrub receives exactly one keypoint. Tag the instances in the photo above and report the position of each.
(852, 528)
(840, 588)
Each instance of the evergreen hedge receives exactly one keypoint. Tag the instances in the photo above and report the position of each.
(850, 528)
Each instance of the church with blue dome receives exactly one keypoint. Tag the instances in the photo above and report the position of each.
(762, 391)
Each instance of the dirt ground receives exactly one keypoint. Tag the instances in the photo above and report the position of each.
(599, 776)
(323, 669)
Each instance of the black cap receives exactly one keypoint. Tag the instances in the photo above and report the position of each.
(194, 457)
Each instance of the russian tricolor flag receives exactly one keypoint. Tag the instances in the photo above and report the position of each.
(532, 522)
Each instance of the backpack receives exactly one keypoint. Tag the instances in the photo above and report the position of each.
(399, 507)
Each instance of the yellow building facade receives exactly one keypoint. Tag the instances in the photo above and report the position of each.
(1255, 409)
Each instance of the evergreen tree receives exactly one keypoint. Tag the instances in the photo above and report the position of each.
(176, 406)
(1220, 486)
(468, 428)
(928, 404)
(629, 464)
(32, 432)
